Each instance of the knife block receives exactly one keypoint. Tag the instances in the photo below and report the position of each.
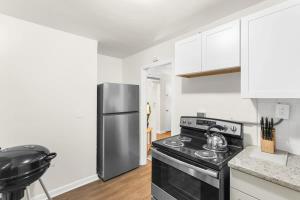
(268, 146)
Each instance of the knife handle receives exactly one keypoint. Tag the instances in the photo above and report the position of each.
(262, 127)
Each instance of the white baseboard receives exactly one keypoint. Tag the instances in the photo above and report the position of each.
(67, 188)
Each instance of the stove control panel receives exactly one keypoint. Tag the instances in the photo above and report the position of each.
(230, 127)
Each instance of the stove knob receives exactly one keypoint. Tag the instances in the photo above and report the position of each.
(233, 129)
(189, 122)
(225, 127)
(183, 121)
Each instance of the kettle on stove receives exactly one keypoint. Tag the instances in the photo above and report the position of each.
(216, 141)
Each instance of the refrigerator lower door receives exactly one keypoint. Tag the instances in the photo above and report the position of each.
(120, 144)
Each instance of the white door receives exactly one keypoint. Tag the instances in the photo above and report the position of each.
(188, 55)
(270, 52)
(221, 47)
(167, 108)
(166, 99)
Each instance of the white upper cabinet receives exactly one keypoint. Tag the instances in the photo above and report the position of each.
(188, 55)
(271, 52)
(212, 52)
(221, 47)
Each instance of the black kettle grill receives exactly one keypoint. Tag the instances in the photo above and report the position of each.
(20, 166)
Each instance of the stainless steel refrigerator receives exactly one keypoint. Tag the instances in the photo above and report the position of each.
(117, 129)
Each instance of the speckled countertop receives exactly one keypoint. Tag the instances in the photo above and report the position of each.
(287, 175)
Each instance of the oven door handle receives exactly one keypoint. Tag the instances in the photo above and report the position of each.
(183, 166)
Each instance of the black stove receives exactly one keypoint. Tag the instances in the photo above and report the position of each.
(183, 158)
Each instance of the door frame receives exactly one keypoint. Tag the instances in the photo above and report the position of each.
(143, 103)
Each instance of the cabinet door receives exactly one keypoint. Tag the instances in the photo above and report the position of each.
(221, 47)
(188, 55)
(260, 188)
(270, 52)
(237, 195)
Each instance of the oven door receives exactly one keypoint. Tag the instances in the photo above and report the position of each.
(177, 179)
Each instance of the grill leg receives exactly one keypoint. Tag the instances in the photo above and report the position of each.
(14, 195)
(27, 193)
(45, 189)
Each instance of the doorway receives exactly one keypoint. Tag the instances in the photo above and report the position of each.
(156, 100)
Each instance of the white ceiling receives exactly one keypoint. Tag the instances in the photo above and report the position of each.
(123, 27)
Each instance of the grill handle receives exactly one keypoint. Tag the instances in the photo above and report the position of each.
(50, 156)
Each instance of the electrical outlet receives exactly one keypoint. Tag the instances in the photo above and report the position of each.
(282, 111)
(201, 114)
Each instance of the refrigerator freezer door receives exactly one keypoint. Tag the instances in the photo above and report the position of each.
(118, 98)
(120, 144)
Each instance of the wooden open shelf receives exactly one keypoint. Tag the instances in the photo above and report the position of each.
(212, 72)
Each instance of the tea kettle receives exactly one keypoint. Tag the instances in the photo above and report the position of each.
(216, 141)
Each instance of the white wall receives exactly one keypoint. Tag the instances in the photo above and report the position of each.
(287, 133)
(218, 96)
(48, 82)
(109, 69)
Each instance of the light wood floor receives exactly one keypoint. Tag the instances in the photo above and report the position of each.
(159, 136)
(134, 185)
(164, 135)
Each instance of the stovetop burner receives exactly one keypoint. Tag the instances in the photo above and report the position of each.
(190, 145)
(173, 142)
(206, 147)
(184, 138)
(206, 154)
(212, 159)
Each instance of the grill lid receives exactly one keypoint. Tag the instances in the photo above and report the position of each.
(23, 160)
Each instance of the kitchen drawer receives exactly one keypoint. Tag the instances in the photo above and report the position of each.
(237, 195)
(259, 188)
